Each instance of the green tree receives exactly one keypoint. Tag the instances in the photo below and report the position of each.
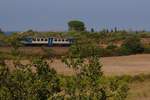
(24, 84)
(30, 31)
(76, 25)
(89, 82)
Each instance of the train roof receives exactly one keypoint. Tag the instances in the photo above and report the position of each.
(49, 37)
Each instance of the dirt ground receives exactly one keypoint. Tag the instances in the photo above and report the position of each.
(124, 65)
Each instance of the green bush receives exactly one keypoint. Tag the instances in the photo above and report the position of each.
(146, 49)
(112, 50)
(84, 50)
(123, 51)
(89, 82)
(24, 84)
(111, 46)
(133, 45)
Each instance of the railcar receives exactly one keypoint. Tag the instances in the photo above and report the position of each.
(47, 41)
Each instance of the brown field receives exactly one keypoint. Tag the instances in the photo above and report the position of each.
(123, 65)
(130, 65)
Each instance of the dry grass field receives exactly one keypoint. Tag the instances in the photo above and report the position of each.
(123, 65)
(130, 65)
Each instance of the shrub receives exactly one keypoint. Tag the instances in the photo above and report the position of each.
(123, 51)
(84, 50)
(111, 50)
(2, 62)
(23, 84)
(133, 45)
(89, 82)
(111, 46)
(146, 49)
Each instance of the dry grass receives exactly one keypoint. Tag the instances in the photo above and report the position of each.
(125, 65)
(139, 91)
(130, 65)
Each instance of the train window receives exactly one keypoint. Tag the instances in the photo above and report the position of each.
(63, 40)
(38, 39)
(55, 39)
(67, 40)
(41, 39)
(45, 39)
(33, 39)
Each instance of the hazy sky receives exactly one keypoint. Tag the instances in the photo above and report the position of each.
(20, 15)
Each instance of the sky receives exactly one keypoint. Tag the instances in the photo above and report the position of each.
(53, 15)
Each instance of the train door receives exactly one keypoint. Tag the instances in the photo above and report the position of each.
(50, 42)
